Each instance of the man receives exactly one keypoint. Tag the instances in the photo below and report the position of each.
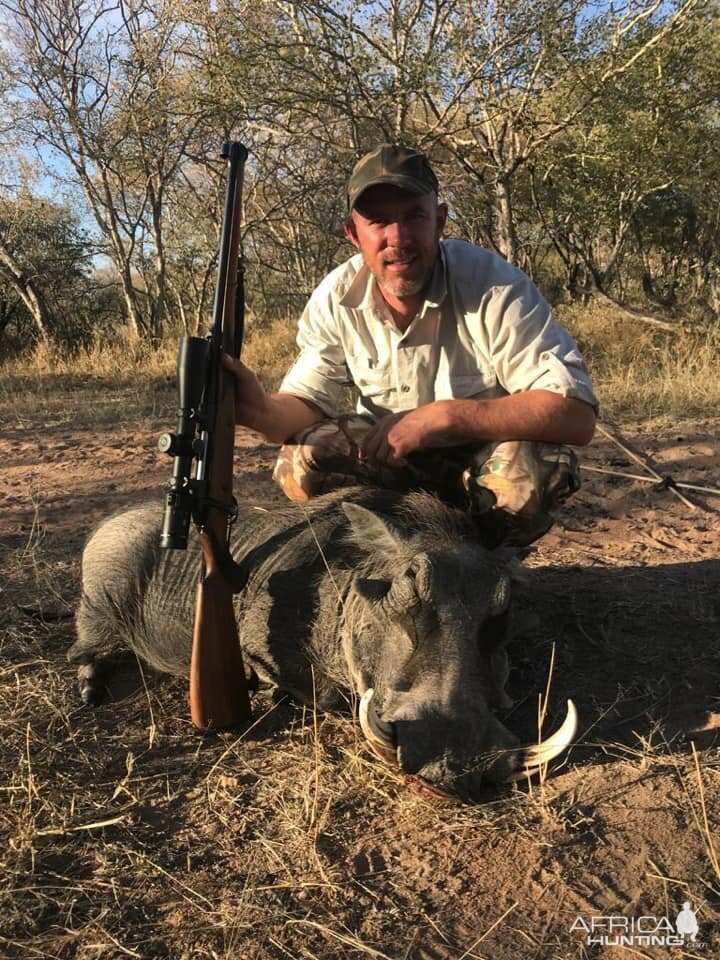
(467, 385)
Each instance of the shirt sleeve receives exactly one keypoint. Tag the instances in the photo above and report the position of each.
(319, 372)
(530, 350)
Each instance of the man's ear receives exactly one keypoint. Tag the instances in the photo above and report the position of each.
(442, 215)
(351, 232)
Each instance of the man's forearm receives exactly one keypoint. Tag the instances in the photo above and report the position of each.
(283, 416)
(533, 415)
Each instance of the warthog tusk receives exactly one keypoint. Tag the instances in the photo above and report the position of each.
(537, 755)
(379, 735)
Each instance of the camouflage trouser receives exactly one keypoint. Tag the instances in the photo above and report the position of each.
(512, 489)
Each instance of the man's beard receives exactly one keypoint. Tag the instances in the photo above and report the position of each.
(399, 286)
(402, 288)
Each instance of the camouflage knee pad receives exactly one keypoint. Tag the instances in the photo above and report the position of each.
(522, 482)
(511, 488)
(323, 457)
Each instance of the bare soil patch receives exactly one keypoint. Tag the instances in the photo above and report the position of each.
(126, 834)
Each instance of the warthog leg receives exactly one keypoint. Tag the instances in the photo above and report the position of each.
(92, 680)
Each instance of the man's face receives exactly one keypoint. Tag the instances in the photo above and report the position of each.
(397, 233)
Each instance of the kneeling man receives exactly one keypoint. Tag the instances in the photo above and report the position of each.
(467, 385)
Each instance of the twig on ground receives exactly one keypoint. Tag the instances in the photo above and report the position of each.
(97, 825)
(677, 327)
(488, 931)
(348, 939)
(707, 833)
(646, 466)
(663, 484)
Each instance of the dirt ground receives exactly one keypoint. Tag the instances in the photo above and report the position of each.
(127, 834)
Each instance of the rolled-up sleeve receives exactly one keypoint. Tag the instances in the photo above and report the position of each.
(529, 349)
(320, 372)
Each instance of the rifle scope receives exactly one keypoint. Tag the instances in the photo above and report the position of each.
(181, 499)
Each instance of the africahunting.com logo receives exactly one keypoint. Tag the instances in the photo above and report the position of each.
(645, 931)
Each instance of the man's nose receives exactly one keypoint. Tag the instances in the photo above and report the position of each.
(397, 233)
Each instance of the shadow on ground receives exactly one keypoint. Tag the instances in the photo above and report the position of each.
(636, 648)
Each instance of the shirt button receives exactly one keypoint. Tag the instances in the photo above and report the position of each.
(405, 388)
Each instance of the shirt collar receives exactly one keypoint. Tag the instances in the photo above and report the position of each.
(360, 294)
(437, 290)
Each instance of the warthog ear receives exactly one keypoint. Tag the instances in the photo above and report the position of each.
(373, 530)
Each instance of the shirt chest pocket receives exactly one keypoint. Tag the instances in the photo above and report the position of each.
(372, 378)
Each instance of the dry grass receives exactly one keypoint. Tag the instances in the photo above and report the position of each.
(122, 382)
(270, 349)
(110, 384)
(641, 372)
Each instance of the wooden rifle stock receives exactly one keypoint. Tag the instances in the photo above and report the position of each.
(219, 696)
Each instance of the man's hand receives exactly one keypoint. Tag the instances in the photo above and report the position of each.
(533, 415)
(398, 434)
(251, 400)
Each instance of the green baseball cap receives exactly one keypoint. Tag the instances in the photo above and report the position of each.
(392, 163)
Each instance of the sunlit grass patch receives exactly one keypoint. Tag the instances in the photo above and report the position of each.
(641, 371)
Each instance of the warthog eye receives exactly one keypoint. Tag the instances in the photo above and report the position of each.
(494, 631)
(373, 590)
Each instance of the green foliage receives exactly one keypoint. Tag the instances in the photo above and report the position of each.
(43, 245)
(625, 194)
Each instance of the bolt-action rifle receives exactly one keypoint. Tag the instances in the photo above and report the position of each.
(201, 487)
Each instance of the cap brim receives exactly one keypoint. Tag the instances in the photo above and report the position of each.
(409, 184)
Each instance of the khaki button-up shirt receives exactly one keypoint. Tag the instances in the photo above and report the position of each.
(484, 331)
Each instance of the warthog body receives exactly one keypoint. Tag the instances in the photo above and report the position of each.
(365, 590)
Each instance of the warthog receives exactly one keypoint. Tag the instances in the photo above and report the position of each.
(384, 595)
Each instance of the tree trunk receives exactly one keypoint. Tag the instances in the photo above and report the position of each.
(134, 314)
(506, 221)
(159, 308)
(28, 292)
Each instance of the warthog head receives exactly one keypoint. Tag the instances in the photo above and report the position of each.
(426, 625)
